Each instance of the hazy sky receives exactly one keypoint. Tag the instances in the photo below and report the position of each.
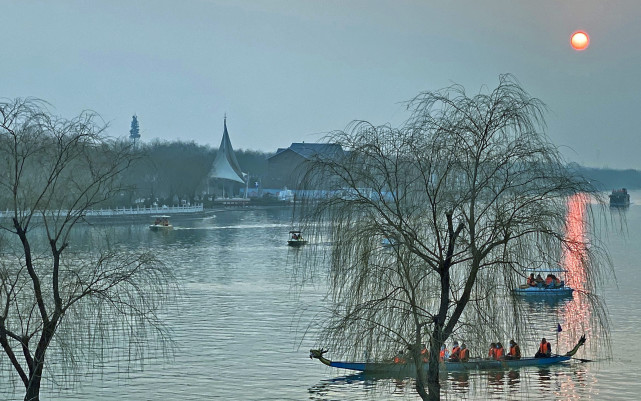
(287, 71)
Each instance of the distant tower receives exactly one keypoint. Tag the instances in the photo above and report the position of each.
(134, 132)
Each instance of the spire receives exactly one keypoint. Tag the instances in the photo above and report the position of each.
(225, 165)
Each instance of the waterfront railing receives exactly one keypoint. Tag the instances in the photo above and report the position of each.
(126, 211)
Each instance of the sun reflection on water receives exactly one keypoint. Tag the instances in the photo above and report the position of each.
(576, 314)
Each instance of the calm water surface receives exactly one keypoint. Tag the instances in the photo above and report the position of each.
(240, 321)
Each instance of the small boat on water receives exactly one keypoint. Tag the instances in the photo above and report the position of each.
(551, 286)
(619, 198)
(296, 239)
(390, 242)
(527, 291)
(161, 223)
(391, 367)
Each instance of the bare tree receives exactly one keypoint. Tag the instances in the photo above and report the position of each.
(469, 192)
(55, 299)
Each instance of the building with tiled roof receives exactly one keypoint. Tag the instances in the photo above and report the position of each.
(288, 166)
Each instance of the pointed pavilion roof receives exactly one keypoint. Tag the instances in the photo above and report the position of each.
(225, 165)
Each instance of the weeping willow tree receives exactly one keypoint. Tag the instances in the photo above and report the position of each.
(61, 305)
(432, 224)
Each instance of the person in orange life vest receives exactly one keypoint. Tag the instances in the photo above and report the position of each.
(424, 353)
(500, 352)
(444, 354)
(531, 281)
(492, 353)
(465, 353)
(545, 350)
(399, 358)
(515, 351)
(455, 356)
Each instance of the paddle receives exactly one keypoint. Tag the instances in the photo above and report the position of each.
(578, 359)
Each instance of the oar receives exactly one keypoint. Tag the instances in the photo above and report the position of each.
(578, 359)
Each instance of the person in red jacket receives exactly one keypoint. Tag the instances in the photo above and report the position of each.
(545, 349)
(531, 281)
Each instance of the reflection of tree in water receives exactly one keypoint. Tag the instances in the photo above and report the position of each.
(362, 387)
(568, 381)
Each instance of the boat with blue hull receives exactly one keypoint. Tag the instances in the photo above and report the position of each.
(550, 287)
(559, 292)
(472, 364)
(391, 367)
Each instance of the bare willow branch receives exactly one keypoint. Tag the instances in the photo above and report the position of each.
(57, 305)
(469, 193)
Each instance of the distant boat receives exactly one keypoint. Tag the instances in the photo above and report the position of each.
(161, 223)
(296, 239)
(619, 198)
(388, 242)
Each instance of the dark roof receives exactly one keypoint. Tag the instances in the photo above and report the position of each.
(311, 150)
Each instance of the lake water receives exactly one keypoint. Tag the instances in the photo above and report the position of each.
(240, 320)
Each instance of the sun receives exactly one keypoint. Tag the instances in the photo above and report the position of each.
(580, 40)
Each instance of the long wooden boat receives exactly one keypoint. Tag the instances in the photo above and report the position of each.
(473, 364)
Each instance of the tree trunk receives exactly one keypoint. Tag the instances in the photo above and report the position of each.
(433, 389)
(433, 384)
(420, 385)
(417, 357)
(38, 363)
(33, 389)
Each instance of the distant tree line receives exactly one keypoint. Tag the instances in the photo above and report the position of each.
(178, 172)
(607, 179)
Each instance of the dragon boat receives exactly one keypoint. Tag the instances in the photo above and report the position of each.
(390, 367)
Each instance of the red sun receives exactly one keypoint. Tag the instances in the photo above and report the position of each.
(580, 40)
